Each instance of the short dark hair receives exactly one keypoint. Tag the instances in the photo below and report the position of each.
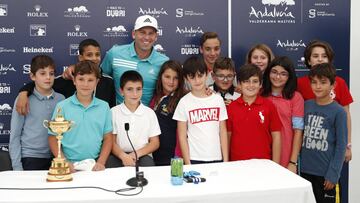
(132, 76)
(224, 63)
(194, 65)
(318, 43)
(87, 67)
(41, 62)
(290, 85)
(208, 35)
(322, 70)
(247, 71)
(87, 42)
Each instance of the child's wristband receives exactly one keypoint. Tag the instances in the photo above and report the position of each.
(292, 162)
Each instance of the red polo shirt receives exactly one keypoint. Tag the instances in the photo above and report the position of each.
(341, 90)
(251, 127)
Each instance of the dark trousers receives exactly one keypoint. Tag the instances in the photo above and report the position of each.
(344, 183)
(321, 195)
(113, 161)
(31, 163)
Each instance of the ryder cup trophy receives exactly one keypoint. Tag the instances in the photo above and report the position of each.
(59, 169)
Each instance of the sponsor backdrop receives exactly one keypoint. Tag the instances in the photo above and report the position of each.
(31, 27)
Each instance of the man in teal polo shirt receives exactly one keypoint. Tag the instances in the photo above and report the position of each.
(138, 55)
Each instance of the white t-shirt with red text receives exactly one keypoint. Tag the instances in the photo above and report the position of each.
(203, 116)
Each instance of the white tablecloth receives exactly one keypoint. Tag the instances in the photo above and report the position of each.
(252, 181)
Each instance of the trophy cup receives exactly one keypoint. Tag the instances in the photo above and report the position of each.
(59, 169)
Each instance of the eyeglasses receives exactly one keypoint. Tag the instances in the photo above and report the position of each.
(281, 74)
(223, 77)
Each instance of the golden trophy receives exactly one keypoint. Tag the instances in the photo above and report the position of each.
(59, 169)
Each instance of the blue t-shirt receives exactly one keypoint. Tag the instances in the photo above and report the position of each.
(84, 140)
(324, 141)
(120, 59)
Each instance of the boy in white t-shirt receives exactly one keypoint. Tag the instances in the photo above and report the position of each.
(201, 119)
(143, 129)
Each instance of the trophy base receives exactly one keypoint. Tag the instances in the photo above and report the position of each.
(59, 171)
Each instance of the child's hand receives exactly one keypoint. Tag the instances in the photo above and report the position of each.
(71, 166)
(292, 168)
(348, 155)
(328, 185)
(128, 160)
(227, 101)
(98, 167)
(238, 89)
(209, 91)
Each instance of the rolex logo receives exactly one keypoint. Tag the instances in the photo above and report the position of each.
(37, 8)
(77, 28)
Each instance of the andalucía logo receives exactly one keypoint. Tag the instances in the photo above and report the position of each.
(189, 31)
(273, 11)
(153, 12)
(290, 45)
(6, 68)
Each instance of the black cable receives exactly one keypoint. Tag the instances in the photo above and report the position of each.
(118, 192)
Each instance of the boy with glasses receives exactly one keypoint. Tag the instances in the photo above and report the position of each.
(223, 75)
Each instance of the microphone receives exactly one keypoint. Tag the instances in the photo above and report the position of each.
(138, 180)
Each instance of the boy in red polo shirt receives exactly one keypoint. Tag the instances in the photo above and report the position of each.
(253, 124)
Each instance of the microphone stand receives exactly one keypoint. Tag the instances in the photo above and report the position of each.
(138, 180)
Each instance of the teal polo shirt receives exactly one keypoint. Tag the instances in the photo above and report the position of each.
(120, 59)
(84, 140)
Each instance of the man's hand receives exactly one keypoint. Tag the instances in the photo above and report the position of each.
(22, 104)
(68, 73)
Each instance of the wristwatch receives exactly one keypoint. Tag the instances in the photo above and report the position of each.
(348, 146)
(292, 162)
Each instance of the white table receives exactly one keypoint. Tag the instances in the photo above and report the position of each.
(253, 181)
